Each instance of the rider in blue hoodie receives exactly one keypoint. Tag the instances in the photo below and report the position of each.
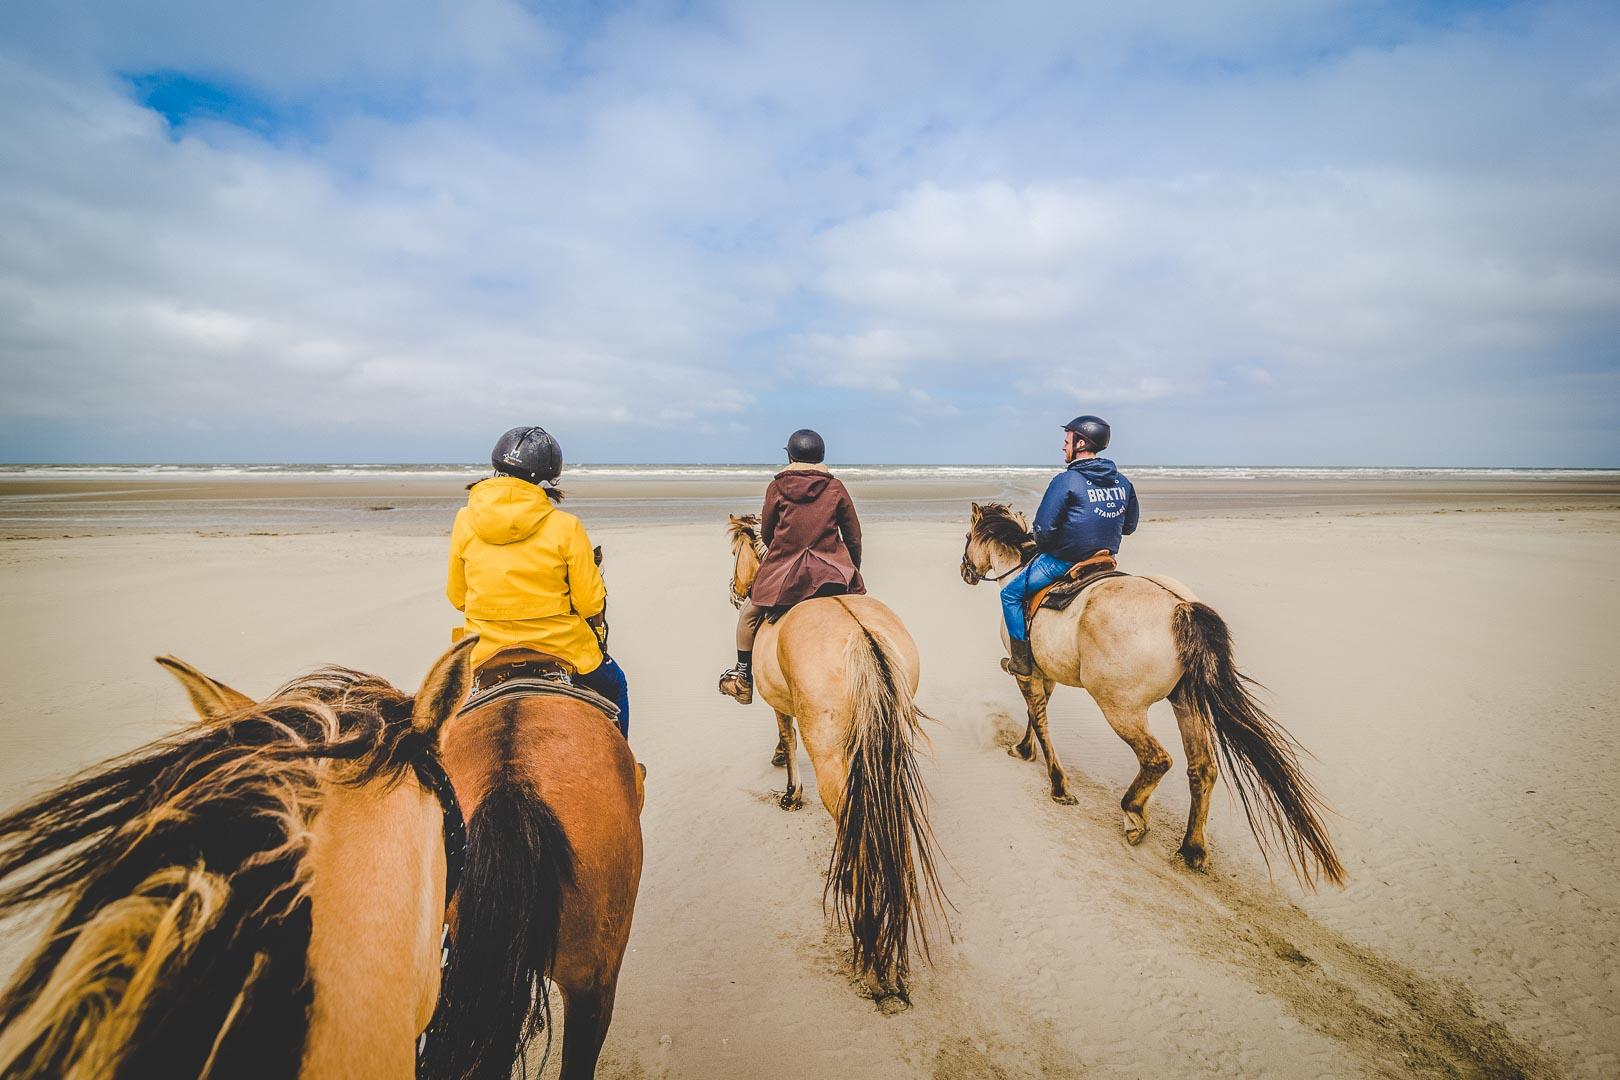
(1086, 509)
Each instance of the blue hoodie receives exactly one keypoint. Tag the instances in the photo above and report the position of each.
(1087, 507)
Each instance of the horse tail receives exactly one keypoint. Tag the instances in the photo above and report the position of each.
(1283, 807)
(881, 877)
(503, 937)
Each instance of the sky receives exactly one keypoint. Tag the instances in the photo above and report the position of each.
(1300, 232)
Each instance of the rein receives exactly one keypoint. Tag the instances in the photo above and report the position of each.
(430, 771)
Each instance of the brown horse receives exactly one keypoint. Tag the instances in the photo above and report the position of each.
(258, 897)
(553, 801)
(844, 671)
(1132, 641)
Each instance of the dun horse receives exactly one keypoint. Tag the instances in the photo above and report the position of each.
(1132, 641)
(553, 801)
(257, 897)
(843, 670)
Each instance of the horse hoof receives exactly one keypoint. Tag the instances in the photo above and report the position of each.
(779, 759)
(1194, 857)
(792, 800)
(1020, 753)
(1065, 800)
(892, 1002)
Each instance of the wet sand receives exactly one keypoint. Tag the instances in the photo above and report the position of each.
(1448, 656)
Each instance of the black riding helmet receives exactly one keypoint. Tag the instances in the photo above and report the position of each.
(805, 445)
(1093, 429)
(528, 453)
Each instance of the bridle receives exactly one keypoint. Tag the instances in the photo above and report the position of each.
(1026, 552)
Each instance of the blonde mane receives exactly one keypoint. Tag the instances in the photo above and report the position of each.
(179, 944)
(748, 548)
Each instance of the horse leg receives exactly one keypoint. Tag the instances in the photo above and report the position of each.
(1037, 692)
(586, 1016)
(1201, 773)
(787, 754)
(1025, 748)
(1131, 724)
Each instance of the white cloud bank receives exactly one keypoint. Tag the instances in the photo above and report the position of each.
(1243, 235)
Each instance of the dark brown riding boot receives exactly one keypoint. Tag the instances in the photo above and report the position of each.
(1021, 662)
(739, 684)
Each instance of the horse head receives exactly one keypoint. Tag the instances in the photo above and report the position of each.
(748, 551)
(998, 542)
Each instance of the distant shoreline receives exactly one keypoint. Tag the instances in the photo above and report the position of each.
(63, 501)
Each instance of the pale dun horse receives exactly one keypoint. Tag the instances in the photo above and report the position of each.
(258, 897)
(1131, 641)
(842, 671)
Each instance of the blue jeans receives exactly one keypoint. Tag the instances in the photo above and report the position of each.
(1041, 572)
(608, 680)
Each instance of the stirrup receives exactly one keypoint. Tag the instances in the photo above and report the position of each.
(734, 684)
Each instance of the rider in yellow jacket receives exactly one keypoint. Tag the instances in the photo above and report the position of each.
(524, 573)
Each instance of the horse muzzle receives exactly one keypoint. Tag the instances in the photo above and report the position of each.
(970, 575)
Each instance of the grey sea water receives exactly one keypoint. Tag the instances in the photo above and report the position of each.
(67, 500)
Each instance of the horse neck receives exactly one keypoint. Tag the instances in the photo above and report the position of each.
(377, 909)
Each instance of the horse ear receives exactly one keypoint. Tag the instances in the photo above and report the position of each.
(445, 687)
(211, 698)
(978, 511)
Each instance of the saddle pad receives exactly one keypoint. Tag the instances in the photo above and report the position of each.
(540, 687)
(1063, 593)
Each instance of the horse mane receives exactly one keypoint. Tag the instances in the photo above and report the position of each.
(739, 529)
(179, 944)
(1000, 524)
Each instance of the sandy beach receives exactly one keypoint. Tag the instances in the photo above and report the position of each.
(1447, 653)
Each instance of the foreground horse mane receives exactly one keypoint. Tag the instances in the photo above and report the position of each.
(1001, 524)
(189, 847)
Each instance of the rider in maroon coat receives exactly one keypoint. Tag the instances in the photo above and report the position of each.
(813, 548)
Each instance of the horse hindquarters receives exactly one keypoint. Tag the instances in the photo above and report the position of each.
(503, 936)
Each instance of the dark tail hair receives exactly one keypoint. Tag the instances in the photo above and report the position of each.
(881, 877)
(492, 1002)
(1262, 758)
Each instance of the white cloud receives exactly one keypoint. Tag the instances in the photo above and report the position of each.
(689, 219)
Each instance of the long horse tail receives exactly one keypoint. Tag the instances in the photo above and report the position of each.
(881, 878)
(503, 937)
(1283, 807)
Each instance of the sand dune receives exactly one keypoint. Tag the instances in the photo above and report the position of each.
(1454, 675)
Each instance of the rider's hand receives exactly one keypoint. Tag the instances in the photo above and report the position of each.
(599, 626)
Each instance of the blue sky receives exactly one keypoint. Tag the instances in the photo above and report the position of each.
(1308, 232)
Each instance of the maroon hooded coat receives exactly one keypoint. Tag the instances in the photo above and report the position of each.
(812, 536)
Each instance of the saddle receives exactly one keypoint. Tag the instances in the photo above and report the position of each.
(1061, 593)
(524, 672)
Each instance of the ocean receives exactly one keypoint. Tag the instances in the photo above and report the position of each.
(233, 499)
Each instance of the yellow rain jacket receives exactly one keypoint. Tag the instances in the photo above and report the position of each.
(524, 574)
